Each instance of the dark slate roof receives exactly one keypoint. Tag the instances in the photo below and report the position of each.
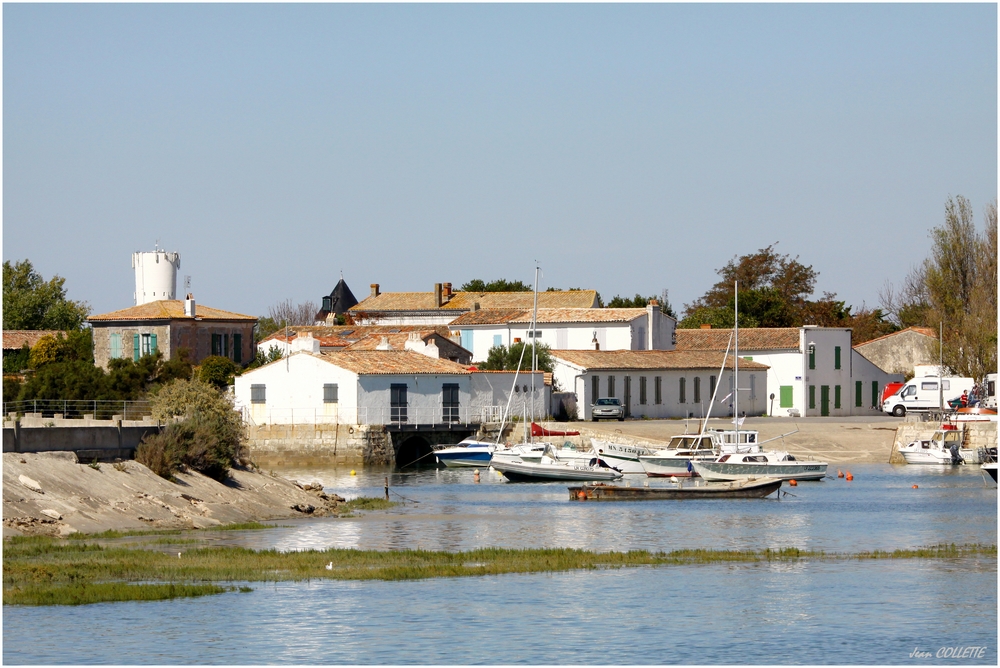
(341, 299)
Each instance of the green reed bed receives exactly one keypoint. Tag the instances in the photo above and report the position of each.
(51, 571)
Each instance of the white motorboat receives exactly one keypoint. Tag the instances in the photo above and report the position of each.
(748, 466)
(625, 458)
(468, 452)
(551, 467)
(943, 447)
(676, 459)
(991, 469)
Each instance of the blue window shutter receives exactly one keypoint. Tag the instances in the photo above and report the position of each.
(467, 339)
(497, 340)
(135, 347)
(152, 344)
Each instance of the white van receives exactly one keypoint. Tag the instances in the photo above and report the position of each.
(990, 400)
(922, 394)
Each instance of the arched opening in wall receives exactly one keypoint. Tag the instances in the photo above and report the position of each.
(415, 451)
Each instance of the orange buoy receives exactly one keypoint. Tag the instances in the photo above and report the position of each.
(582, 495)
(793, 482)
(840, 474)
(849, 476)
(914, 487)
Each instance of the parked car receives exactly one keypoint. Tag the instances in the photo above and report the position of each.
(607, 408)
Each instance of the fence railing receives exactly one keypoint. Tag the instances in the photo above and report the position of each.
(429, 417)
(78, 408)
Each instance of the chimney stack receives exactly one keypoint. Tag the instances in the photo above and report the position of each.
(375, 292)
(437, 295)
(447, 292)
(189, 306)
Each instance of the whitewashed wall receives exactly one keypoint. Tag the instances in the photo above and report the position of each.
(294, 391)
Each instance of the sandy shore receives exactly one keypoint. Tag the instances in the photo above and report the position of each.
(53, 494)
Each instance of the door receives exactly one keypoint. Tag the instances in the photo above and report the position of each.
(627, 399)
(824, 400)
(397, 402)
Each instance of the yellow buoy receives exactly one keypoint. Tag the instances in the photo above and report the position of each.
(352, 472)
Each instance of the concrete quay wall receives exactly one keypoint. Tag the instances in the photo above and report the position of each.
(308, 445)
(90, 443)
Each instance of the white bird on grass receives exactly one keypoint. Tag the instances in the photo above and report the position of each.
(329, 566)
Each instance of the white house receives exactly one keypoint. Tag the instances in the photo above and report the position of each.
(811, 370)
(442, 305)
(567, 329)
(382, 387)
(660, 384)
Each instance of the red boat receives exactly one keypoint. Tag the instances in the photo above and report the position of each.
(538, 430)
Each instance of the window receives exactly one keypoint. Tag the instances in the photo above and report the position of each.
(680, 391)
(697, 389)
(812, 396)
(711, 385)
(595, 388)
(449, 402)
(929, 386)
(836, 396)
(786, 394)
(497, 340)
(397, 402)
(836, 357)
(258, 394)
(148, 345)
(330, 393)
(216, 344)
(642, 390)
(658, 390)
(116, 346)
(238, 348)
(611, 386)
(812, 357)
(858, 390)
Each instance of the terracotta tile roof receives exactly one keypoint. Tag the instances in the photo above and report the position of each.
(493, 316)
(14, 339)
(397, 341)
(466, 301)
(386, 362)
(751, 338)
(926, 331)
(168, 309)
(651, 359)
(344, 335)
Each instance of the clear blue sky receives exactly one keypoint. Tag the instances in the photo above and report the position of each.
(626, 148)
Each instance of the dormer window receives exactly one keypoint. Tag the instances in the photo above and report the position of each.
(327, 305)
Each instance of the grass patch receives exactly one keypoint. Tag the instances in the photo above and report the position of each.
(42, 570)
(242, 526)
(112, 533)
(367, 503)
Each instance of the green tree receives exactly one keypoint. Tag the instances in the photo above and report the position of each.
(31, 302)
(17, 361)
(72, 346)
(957, 286)
(641, 302)
(502, 358)
(217, 371)
(499, 285)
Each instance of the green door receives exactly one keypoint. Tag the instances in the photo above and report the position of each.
(824, 399)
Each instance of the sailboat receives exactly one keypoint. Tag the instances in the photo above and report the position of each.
(542, 461)
(752, 463)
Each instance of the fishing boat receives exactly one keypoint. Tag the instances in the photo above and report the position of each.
(625, 458)
(551, 467)
(468, 452)
(739, 489)
(675, 460)
(943, 447)
(757, 465)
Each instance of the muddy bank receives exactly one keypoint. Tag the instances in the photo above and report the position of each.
(52, 493)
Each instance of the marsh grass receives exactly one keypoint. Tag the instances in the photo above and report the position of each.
(367, 503)
(46, 571)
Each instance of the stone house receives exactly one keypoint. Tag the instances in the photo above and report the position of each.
(902, 351)
(171, 324)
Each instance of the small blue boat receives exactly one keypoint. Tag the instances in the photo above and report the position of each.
(469, 452)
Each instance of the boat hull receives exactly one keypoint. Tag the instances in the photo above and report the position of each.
(625, 458)
(456, 459)
(745, 489)
(517, 470)
(752, 471)
(991, 469)
(668, 467)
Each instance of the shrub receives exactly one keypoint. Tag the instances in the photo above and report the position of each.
(218, 371)
(163, 453)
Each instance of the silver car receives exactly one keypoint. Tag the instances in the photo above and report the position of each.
(607, 408)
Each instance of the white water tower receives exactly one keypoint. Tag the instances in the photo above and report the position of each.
(155, 275)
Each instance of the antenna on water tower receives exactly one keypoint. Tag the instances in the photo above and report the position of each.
(187, 284)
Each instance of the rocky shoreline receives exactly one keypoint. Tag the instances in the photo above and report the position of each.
(51, 493)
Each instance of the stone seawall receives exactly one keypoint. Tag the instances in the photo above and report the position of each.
(306, 445)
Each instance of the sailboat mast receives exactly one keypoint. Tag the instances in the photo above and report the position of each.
(534, 333)
(736, 359)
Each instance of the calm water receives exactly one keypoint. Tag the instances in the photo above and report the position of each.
(831, 612)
